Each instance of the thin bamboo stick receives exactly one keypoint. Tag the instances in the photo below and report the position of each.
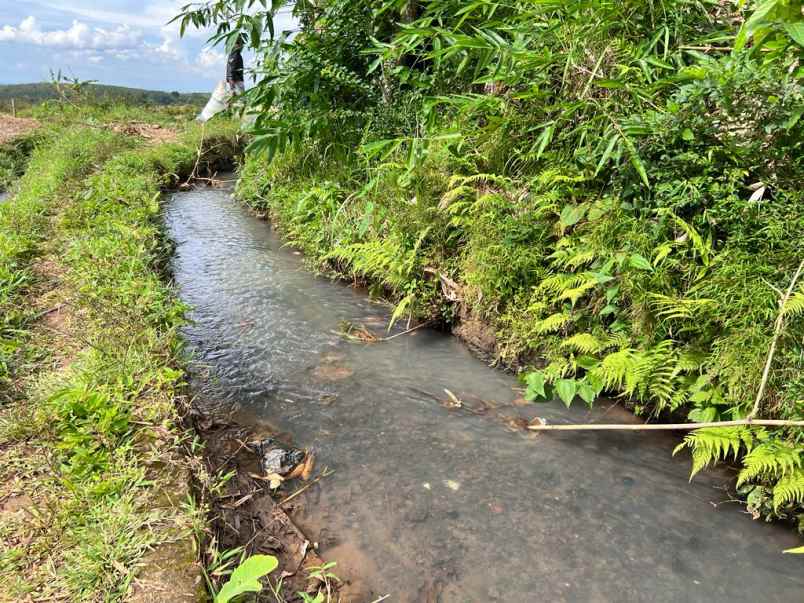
(662, 427)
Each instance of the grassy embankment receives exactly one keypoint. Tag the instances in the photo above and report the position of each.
(94, 485)
(607, 196)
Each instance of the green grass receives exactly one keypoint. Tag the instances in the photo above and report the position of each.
(91, 437)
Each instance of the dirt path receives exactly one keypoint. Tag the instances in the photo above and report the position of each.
(14, 127)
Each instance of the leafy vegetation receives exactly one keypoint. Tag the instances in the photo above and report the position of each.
(614, 186)
(246, 577)
(93, 475)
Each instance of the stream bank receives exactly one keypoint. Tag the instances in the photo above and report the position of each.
(94, 471)
(432, 499)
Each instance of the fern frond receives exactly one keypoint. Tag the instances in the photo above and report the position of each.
(794, 306)
(572, 258)
(615, 367)
(585, 343)
(453, 194)
(552, 323)
(770, 459)
(674, 308)
(712, 444)
(617, 340)
(702, 247)
(558, 283)
(690, 360)
(789, 489)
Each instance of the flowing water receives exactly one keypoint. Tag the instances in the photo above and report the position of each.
(432, 503)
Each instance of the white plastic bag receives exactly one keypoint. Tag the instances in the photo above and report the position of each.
(219, 100)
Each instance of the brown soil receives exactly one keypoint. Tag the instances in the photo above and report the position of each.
(14, 127)
(150, 132)
(478, 335)
(169, 574)
(245, 513)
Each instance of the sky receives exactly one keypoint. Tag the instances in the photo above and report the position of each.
(117, 42)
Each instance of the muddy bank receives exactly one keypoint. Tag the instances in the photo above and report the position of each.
(244, 510)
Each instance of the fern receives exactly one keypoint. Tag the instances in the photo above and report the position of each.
(571, 258)
(558, 283)
(584, 342)
(615, 368)
(702, 247)
(386, 260)
(795, 305)
(672, 308)
(573, 294)
(789, 489)
(713, 444)
(552, 323)
(772, 459)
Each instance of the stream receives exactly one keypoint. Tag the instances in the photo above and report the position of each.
(432, 503)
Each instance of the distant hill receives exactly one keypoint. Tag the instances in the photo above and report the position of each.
(31, 94)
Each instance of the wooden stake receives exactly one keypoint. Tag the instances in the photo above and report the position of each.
(13, 109)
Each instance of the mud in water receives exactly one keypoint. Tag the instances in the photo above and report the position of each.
(441, 495)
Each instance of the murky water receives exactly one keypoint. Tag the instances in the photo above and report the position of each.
(429, 503)
(4, 195)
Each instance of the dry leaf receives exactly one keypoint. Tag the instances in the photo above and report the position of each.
(309, 463)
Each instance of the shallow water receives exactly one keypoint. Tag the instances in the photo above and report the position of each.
(429, 503)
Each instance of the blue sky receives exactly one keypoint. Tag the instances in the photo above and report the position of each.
(120, 42)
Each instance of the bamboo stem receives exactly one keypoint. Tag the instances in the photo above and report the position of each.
(663, 427)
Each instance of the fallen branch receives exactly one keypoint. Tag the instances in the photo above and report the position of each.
(416, 328)
(199, 153)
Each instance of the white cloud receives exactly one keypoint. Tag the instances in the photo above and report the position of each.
(209, 58)
(154, 15)
(79, 36)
